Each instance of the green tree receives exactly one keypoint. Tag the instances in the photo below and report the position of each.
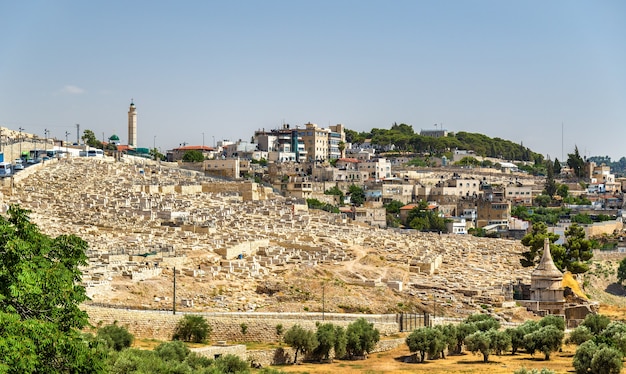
(606, 360)
(557, 166)
(329, 337)
(578, 250)
(449, 334)
(425, 340)
(483, 322)
(534, 241)
(517, 334)
(361, 337)
(156, 155)
(615, 333)
(90, 139)
(192, 328)
(480, 341)
(576, 163)
(583, 356)
(116, 337)
(550, 185)
(547, 339)
(621, 271)
(40, 293)
(562, 190)
(596, 323)
(193, 156)
(303, 341)
(357, 195)
(580, 335)
(543, 200)
(556, 321)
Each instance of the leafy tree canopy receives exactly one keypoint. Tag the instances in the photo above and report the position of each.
(193, 156)
(40, 293)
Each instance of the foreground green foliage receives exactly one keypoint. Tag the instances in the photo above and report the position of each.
(192, 328)
(39, 297)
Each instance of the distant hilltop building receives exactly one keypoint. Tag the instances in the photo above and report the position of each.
(132, 125)
(434, 133)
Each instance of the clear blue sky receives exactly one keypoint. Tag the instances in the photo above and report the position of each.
(518, 70)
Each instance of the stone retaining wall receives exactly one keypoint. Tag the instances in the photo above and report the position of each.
(261, 327)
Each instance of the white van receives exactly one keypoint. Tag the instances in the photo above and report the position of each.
(5, 169)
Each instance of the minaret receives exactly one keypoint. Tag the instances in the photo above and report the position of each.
(132, 125)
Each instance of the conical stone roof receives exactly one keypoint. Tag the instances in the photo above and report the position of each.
(546, 268)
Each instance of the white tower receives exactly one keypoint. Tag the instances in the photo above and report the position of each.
(132, 125)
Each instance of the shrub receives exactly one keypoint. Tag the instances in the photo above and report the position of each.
(172, 351)
(192, 328)
(533, 371)
(116, 337)
(231, 364)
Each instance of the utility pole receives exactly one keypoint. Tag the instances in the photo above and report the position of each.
(174, 298)
(20, 140)
(66, 153)
(77, 134)
(46, 132)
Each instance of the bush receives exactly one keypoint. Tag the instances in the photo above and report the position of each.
(231, 364)
(533, 371)
(172, 351)
(192, 328)
(116, 337)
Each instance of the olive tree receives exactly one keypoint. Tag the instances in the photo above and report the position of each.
(303, 341)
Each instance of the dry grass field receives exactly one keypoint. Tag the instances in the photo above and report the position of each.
(393, 362)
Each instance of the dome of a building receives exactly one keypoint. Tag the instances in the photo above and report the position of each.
(114, 137)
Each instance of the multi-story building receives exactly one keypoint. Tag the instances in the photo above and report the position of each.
(322, 144)
(282, 145)
(457, 186)
(377, 169)
(519, 194)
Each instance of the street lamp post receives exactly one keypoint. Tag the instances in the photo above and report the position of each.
(154, 147)
(46, 134)
(66, 152)
(20, 140)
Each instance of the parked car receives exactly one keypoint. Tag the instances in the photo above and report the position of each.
(18, 164)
